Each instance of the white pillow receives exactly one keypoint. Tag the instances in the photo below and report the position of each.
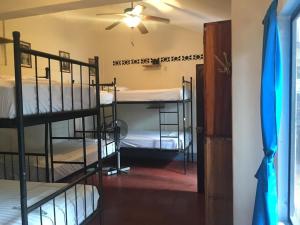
(120, 88)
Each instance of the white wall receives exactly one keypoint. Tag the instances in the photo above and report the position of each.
(247, 37)
(50, 34)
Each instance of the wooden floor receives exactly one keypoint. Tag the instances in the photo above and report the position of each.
(153, 195)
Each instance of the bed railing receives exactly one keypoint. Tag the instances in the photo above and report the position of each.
(58, 95)
(35, 165)
(91, 203)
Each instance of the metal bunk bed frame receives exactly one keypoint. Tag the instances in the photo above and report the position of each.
(188, 148)
(21, 121)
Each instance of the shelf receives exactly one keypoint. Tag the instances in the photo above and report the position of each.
(152, 65)
(5, 40)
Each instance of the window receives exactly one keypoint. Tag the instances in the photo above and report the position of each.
(294, 197)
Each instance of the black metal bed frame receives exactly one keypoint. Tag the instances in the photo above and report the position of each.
(21, 121)
(188, 147)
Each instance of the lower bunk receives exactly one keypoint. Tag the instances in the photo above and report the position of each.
(68, 160)
(160, 141)
(51, 203)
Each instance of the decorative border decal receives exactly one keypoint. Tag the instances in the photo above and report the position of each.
(168, 59)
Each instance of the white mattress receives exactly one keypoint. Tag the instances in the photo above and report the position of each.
(151, 140)
(73, 151)
(70, 150)
(172, 94)
(10, 203)
(7, 97)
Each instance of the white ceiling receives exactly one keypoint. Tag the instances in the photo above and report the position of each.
(189, 14)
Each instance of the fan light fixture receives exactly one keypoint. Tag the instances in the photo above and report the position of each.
(132, 21)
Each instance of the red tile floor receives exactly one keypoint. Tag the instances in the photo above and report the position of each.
(153, 193)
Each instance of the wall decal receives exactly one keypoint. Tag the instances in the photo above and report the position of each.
(165, 59)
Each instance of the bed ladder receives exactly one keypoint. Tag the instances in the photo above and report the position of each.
(175, 123)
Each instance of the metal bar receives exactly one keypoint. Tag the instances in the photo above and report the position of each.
(178, 128)
(28, 166)
(47, 152)
(183, 104)
(55, 57)
(62, 86)
(84, 145)
(166, 136)
(98, 104)
(104, 128)
(51, 152)
(192, 131)
(66, 207)
(67, 162)
(81, 95)
(12, 166)
(169, 112)
(170, 124)
(90, 88)
(50, 85)
(76, 205)
(72, 86)
(160, 126)
(67, 138)
(4, 167)
(36, 86)
(20, 127)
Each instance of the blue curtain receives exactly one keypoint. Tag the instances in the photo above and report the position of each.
(265, 210)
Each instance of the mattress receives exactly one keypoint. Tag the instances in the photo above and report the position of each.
(10, 203)
(7, 97)
(151, 140)
(173, 94)
(71, 151)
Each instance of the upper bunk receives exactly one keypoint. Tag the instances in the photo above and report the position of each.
(156, 96)
(48, 93)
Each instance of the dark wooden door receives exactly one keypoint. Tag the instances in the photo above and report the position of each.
(217, 53)
(200, 125)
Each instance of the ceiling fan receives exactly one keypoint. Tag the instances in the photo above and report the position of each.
(133, 17)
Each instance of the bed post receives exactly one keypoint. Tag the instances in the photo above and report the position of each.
(184, 119)
(192, 131)
(98, 106)
(20, 127)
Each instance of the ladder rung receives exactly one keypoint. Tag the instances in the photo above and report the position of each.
(67, 138)
(169, 136)
(169, 112)
(68, 162)
(87, 131)
(169, 124)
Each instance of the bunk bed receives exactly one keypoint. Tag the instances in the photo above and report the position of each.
(175, 119)
(37, 101)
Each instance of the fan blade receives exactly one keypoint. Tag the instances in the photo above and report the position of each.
(156, 18)
(110, 14)
(142, 28)
(113, 25)
(138, 9)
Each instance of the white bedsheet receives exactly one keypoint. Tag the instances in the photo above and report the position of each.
(151, 140)
(71, 150)
(10, 203)
(172, 94)
(7, 97)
